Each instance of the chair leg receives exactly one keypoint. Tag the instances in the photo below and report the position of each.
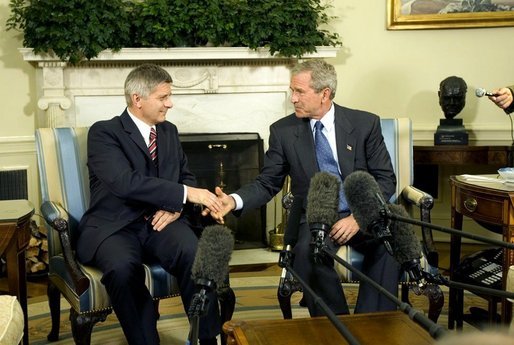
(82, 325)
(156, 306)
(227, 300)
(54, 302)
(405, 293)
(435, 301)
(284, 301)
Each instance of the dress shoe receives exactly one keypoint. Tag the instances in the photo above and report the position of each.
(210, 341)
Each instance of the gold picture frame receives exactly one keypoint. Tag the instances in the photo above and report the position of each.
(400, 15)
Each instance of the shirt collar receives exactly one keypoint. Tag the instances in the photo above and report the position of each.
(327, 120)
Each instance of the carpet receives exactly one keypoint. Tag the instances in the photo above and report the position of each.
(255, 299)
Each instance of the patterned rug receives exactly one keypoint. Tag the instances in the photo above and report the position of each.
(255, 299)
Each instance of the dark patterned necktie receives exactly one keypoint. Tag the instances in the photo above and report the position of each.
(326, 161)
(152, 146)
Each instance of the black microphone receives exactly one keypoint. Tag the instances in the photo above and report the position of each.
(210, 267)
(285, 285)
(209, 271)
(371, 213)
(406, 248)
(321, 212)
(480, 92)
(366, 203)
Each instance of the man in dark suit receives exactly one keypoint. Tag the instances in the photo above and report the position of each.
(140, 206)
(356, 143)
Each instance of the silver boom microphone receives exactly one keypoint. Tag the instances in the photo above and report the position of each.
(480, 92)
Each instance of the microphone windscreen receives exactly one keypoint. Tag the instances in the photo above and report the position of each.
(406, 246)
(323, 199)
(361, 191)
(480, 92)
(213, 254)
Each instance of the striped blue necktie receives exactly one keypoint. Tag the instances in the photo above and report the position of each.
(326, 161)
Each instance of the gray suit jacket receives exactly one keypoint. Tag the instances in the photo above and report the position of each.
(360, 146)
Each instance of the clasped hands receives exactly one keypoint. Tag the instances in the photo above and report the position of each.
(217, 205)
(225, 204)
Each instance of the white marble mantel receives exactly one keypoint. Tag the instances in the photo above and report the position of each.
(216, 89)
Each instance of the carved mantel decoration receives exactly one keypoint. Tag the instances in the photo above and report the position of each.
(228, 88)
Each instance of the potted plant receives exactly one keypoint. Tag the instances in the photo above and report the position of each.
(73, 29)
(80, 29)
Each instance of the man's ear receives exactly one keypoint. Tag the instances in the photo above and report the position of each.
(326, 94)
(136, 100)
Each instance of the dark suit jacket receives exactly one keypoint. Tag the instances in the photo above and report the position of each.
(124, 182)
(360, 146)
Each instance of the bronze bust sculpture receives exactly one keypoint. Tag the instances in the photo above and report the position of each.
(452, 96)
(452, 99)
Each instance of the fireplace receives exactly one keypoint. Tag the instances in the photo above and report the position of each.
(230, 160)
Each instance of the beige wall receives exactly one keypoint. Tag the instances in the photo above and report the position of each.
(397, 73)
(16, 83)
(391, 73)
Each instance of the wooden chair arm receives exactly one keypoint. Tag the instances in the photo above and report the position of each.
(57, 217)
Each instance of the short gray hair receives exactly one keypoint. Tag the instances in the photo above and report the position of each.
(323, 75)
(143, 79)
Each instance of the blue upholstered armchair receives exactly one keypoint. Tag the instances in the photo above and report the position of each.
(398, 139)
(62, 155)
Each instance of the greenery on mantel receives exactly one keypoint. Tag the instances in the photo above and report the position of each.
(80, 29)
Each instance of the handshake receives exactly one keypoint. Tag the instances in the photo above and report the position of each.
(217, 204)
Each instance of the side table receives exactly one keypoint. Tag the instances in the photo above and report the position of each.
(15, 218)
(490, 203)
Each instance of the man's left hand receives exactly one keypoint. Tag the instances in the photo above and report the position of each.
(162, 218)
(343, 230)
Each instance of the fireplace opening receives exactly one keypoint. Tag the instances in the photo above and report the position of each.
(230, 160)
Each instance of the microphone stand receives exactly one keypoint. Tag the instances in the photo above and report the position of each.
(440, 280)
(435, 330)
(285, 261)
(387, 214)
(198, 308)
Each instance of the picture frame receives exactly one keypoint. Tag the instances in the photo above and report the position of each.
(424, 14)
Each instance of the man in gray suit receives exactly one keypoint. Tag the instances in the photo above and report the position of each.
(356, 143)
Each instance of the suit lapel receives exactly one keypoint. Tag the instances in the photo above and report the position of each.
(345, 142)
(304, 147)
(166, 152)
(135, 135)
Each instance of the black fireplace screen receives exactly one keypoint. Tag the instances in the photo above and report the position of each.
(230, 160)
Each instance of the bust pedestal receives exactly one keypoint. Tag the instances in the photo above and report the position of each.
(450, 132)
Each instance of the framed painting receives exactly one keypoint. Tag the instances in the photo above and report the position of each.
(448, 14)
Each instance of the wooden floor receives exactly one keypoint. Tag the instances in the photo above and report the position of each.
(36, 286)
